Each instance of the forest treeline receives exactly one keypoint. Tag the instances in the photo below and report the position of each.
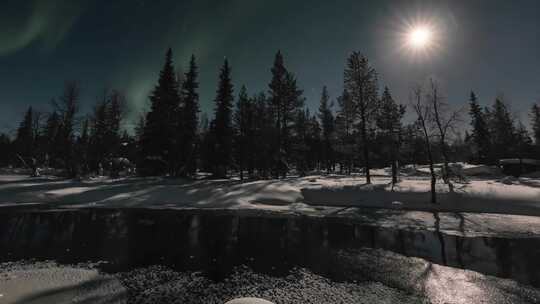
(269, 134)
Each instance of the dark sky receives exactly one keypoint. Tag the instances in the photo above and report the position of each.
(492, 47)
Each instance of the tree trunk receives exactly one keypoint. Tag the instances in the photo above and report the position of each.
(365, 148)
(394, 172)
(446, 173)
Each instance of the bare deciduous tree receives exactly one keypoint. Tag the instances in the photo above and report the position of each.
(444, 120)
(423, 111)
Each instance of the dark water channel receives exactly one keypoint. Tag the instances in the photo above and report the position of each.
(215, 241)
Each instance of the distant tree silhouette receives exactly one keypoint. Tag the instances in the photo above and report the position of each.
(26, 136)
(388, 121)
(67, 108)
(51, 136)
(82, 148)
(268, 134)
(523, 142)
(326, 118)
(263, 132)
(6, 150)
(104, 141)
(535, 123)
(307, 142)
(345, 131)
(244, 126)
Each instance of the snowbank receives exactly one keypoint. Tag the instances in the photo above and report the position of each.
(48, 283)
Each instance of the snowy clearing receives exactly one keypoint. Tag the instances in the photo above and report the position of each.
(505, 195)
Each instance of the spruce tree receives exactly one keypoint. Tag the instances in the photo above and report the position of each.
(480, 131)
(189, 114)
(223, 127)
(361, 82)
(159, 137)
(326, 118)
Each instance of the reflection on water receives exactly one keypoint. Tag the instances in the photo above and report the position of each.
(216, 241)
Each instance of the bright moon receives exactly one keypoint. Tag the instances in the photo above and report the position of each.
(420, 37)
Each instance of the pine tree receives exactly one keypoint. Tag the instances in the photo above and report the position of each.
(326, 118)
(159, 138)
(244, 127)
(189, 115)
(361, 82)
(223, 127)
(480, 131)
(345, 132)
(286, 100)
(388, 120)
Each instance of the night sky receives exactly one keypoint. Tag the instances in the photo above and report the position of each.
(492, 47)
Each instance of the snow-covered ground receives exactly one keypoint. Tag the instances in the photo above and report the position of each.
(373, 276)
(488, 195)
(49, 283)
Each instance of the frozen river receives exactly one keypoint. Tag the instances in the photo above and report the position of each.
(212, 256)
